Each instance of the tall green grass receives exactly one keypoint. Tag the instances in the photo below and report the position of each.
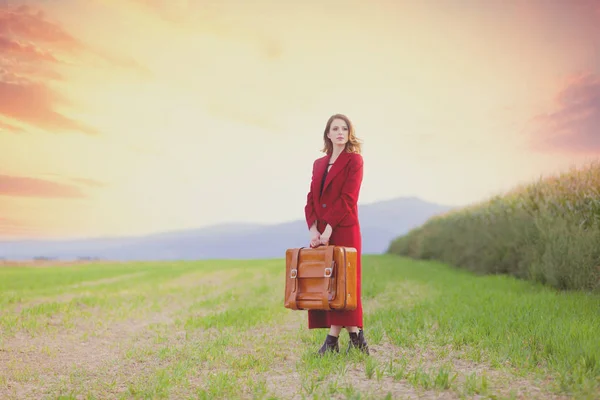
(547, 231)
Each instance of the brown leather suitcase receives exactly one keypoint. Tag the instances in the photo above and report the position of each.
(321, 278)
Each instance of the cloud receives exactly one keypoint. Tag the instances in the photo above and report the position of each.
(33, 103)
(26, 51)
(5, 127)
(33, 51)
(29, 45)
(573, 124)
(12, 70)
(34, 187)
(28, 23)
(32, 25)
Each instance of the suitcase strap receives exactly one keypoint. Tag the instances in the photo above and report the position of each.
(327, 273)
(294, 271)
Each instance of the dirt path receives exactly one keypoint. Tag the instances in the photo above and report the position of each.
(93, 353)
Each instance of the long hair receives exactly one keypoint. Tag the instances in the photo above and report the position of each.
(353, 145)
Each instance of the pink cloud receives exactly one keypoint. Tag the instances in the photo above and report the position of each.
(5, 127)
(28, 47)
(572, 126)
(17, 70)
(33, 103)
(25, 22)
(26, 51)
(33, 187)
(32, 48)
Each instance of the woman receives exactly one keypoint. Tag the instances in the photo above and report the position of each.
(332, 216)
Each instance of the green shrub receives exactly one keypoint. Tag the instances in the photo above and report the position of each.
(547, 231)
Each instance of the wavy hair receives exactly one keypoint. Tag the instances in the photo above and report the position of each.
(353, 145)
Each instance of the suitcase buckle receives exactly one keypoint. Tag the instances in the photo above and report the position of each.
(293, 273)
(328, 272)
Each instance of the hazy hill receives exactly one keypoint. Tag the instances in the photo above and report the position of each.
(381, 223)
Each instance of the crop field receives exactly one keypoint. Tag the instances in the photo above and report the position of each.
(218, 329)
(547, 231)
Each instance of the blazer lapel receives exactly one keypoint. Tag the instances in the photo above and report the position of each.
(321, 167)
(337, 166)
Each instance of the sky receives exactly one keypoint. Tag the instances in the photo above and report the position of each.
(127, 117)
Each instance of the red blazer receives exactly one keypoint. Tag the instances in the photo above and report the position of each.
(338, 205)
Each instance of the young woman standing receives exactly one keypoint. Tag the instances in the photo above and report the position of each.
(332, 217)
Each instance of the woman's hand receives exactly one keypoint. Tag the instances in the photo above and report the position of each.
(324, 238)
(315, 236)
(315, 239)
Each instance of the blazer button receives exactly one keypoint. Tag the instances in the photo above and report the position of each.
(324, 205)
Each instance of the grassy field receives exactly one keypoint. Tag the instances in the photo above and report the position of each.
(218, 329)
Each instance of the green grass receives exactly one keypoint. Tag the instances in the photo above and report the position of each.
(546, 231)
(218, 329)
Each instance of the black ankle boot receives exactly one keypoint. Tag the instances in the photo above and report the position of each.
(358, 341)
(331, 344)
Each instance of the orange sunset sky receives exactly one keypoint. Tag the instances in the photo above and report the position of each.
(129, 116)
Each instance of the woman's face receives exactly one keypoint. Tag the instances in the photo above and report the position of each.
(338, 132)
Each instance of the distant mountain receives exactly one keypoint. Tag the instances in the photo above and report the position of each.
(381, 222)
